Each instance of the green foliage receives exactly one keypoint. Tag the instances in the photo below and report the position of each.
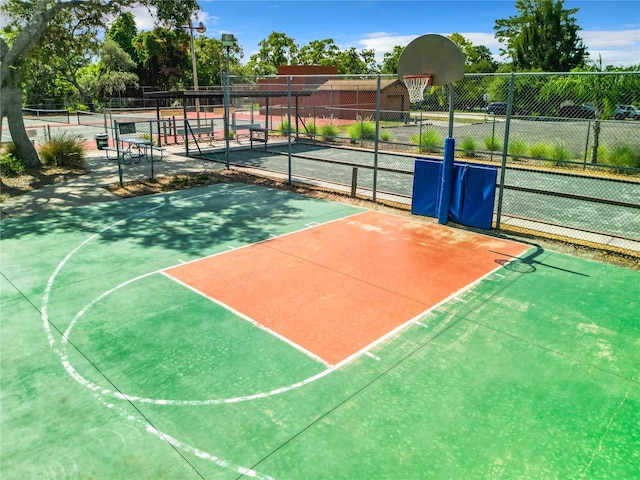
(275, 50)
(362, 131)
(385, 136)
(517, 148)
(543, 36)
(123, 31)
(390, 60)
(624, 156)
(65, 150)
(164, 56)
(283, 128)
(540, 150)
(329, 132)
(10, 166)
(477, 58)
(469, 146)
(318, 52)
(429, 141)
(311, 128)
(493, 144)
(560, 152)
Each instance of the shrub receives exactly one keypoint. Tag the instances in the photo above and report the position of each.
(362, 131)
(10, 165)
(66, 150)
(517, 148)
(428, 141)
(561, 153)
(624, 156)
(492, 144)
(328, 132)
(283, 128)
(385, 136)
(540, 150)
(311, 128)
(469, 146)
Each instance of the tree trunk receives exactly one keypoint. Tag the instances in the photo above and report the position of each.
(11, 106)
(596, 141)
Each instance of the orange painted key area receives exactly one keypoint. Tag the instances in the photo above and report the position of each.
(334, 289)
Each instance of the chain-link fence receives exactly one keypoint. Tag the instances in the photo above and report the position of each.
(567, 145)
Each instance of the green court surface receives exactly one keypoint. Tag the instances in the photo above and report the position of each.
(112, 370)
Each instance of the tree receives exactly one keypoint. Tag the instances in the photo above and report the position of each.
(123, 31)
(28, 23)
(67, 47)
(319, 52)
(115, 69)
(477, 58)
(544, 36)
(164, 57)
(275, 50)
(211, 60)
(390, 60)
(352, 62)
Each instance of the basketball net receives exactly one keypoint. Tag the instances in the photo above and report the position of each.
(416, 85)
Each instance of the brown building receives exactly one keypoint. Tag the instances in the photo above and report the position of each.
(344, 99)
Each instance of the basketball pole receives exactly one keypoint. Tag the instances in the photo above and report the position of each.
(446, 181)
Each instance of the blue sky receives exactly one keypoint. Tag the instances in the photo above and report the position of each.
(609, 28)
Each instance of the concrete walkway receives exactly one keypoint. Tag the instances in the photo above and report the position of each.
(83, 190)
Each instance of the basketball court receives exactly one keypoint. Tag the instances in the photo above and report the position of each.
(236, 331)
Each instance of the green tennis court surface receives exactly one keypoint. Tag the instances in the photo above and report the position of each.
(110, 369)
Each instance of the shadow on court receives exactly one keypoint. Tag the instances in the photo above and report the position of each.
(112, 368)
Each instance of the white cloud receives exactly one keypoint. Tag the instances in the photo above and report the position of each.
(144, 19)
(618, 48)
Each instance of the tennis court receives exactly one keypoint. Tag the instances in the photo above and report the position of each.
(236, 331)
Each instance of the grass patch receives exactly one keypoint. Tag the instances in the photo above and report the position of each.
(493, 144)
(429, 141)
(66, 150)
(469, 146)
(329, 133)
(517, 148)
(624, 156)
(540, 150)
(362, 131)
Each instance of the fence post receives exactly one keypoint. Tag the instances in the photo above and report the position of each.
(376, 144)
(503, 168)
(586, 145)
(289, 126)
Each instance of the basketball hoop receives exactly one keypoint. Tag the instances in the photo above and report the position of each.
(416, 85)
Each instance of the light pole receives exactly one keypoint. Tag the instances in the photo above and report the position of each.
(200, 29)
(228, 41)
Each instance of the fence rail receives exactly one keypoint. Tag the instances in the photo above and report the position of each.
(558, 172)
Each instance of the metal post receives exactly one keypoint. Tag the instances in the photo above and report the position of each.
(200, 29)
(376, 144)
(354, 182)
(289, 124)
(451, 104)
(227, 86)
(504, 151)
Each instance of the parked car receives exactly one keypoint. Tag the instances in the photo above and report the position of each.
(500, 108)
(577, 111)
(626, 111)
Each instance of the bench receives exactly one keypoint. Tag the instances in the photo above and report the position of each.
(254, 128)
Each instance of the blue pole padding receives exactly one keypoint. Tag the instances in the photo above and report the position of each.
(446, 183)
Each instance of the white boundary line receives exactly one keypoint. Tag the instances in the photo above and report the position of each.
(100, 392)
